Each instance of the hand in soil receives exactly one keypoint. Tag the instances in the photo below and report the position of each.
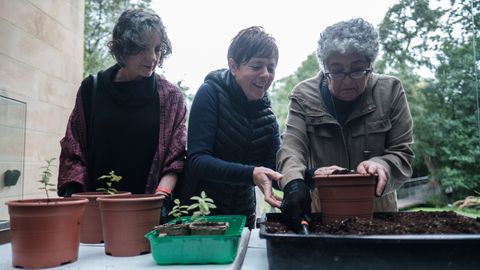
(296, 204)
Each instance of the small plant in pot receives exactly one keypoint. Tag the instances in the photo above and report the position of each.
(45, 232)
(125, 221)
(91, 229)
(200, 225)
(110, 179)
(45, 178)
(177, 228)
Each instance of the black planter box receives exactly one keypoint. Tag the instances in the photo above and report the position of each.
(406, 252)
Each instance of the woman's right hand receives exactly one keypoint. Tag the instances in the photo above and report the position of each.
(327, 170)
(262, 178)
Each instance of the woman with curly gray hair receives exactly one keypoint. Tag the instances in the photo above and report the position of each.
(127, 119)
(346, 117)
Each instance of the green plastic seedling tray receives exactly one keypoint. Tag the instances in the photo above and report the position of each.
(198, 249)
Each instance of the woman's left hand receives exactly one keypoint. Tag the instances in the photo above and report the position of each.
(262, 178)
(375, 168)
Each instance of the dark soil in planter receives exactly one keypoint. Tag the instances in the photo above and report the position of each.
(174, 229)
(209, 228)
(391, 223)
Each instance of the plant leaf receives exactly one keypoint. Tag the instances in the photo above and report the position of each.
(208, 200)
(195, 198)
(211, 206)
(193, 206)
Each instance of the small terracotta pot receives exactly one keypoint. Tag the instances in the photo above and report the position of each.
(125, 221)
(344, 196)
(45, 234)
(208, 228)
(91, 228)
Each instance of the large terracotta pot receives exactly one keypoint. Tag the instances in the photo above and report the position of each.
(344, 196)
(45, 234)
(125, 221)
(91, 228)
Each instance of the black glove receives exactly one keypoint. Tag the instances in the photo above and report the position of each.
(296, 204)
(165, 209)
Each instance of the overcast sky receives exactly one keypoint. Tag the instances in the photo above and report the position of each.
(201, 30)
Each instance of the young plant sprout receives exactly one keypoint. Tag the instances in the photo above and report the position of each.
(178, 210)
(202, 207)
(110, 178)
(45, 177)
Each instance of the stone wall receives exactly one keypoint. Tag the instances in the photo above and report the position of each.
(41, 59)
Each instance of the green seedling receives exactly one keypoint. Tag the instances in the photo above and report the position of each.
(45, 177)
(109, 180)
(178, 210)
(201, 207)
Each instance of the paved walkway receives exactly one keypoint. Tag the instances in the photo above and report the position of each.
(409, 202)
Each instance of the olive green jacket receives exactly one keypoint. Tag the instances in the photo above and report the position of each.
(378, 129)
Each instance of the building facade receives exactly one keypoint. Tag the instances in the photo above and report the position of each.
(41, 67)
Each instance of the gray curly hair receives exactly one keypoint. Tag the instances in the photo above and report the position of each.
(129, 32)
(346, 37)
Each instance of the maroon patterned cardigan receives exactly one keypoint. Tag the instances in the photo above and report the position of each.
(168, 158)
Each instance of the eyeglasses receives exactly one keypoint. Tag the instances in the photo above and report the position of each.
(355, 75)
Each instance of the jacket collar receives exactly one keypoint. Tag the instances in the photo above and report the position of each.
(225, 80)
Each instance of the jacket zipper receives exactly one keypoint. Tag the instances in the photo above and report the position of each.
(347, 154)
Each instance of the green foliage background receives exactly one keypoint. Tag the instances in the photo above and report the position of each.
(417, 37)
(100, 18)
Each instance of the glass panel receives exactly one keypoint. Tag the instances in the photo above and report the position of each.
(12, 151)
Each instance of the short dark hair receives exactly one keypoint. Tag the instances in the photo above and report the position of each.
(128, 37)
(252, 42)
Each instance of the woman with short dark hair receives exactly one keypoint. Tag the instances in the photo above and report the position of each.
(233, 134)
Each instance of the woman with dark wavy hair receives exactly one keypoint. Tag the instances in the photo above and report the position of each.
(127, 119)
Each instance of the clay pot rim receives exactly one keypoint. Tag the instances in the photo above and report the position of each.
(343, 176)
(41, 202)
(95, 194)
(132, 197)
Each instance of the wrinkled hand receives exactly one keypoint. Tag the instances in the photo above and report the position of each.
(296, 204)
(327, 170)
(375, 168)
(262, 178)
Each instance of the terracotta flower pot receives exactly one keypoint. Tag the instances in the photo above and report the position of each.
(125, 221)
(344, 196)
(45, 234)
(91, 228)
